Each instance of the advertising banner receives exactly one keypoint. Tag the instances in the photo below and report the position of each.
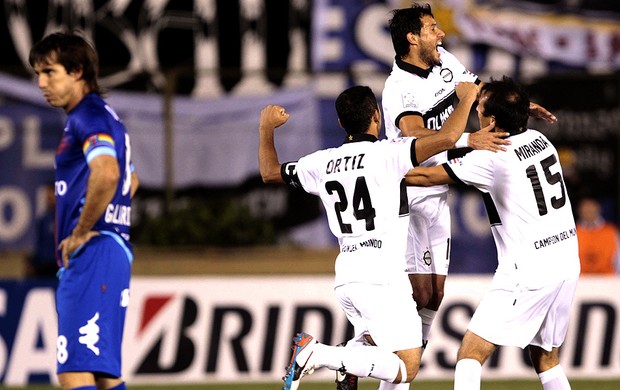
(240, 329)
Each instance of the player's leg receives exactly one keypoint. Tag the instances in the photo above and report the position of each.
(73, 380)
(367, 310)
(472, 354)
(548, 368)
(95, 313)
(428, 255)
(544, 349)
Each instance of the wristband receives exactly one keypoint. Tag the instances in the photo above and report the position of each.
(463, 141)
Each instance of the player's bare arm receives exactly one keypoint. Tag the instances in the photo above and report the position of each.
(428, 176)
(537, 111)
(268, 162)
(102, 184)
(454, 126)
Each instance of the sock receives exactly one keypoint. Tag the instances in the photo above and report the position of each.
(121, 386)
(427, 316)
(467, 375)
(383, 385)
(360, 361)
(554, 379)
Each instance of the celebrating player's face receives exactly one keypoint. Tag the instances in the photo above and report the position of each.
(431, 36)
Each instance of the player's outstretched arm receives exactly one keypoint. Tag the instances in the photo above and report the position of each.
(540, 112)
(268, 162)
(427, 176)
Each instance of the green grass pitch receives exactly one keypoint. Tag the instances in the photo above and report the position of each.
(613, 384)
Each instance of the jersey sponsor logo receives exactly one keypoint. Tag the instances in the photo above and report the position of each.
(344, 164)
(436, 121)
(408, 100)
(531, 149)
(441, 91)
(118, 214)
(90, 333)
(446, 75)
(555, 238)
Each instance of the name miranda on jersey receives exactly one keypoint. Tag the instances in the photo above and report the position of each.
(531, 149)
(346, 163)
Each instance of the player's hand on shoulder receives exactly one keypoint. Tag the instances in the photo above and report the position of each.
(466, 90)
(273, 116)
(486, 139)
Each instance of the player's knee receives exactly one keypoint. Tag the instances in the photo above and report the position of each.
(422, 297)
(409, 364)
(435, 300)
(544, 360)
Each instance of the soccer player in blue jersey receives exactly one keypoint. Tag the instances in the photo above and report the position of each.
(95, 182)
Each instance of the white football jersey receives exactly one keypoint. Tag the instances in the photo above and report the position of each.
(529, 209)
(410, 90)
(360, 185)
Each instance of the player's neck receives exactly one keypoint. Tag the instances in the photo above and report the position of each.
(415, 60)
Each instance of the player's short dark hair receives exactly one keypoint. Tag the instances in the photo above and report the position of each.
(508, 102)
(355, 107)
(405, 21)
(72, 51)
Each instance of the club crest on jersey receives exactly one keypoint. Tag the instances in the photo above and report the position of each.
(446, 75)
(408, 100)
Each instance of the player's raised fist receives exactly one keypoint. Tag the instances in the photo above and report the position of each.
(273, 116)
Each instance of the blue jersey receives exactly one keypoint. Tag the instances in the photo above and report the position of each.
(92, 129)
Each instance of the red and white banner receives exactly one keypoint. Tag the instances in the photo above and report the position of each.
(239, 329)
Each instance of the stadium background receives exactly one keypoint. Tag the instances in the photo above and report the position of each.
(189, 78)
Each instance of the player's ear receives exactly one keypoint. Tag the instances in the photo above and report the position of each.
(376, 117)
(412, 38)
(340, 124)
(77, 73)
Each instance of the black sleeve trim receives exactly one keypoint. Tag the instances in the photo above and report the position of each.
(450, 173)
(404, 114)
(414, 158)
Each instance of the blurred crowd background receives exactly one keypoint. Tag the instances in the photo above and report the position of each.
(189, 77)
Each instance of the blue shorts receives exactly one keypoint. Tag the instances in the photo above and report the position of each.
(91, 302)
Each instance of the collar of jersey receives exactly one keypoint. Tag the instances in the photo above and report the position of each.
(359, 138)
(413, 69)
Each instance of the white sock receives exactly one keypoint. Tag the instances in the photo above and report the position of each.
(359, 361)
(554, 379)
(467, 375)
(383, 385)
(427, 316)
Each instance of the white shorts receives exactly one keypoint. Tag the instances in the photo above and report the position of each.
(428, 241)
(517, 317)
(385, 312)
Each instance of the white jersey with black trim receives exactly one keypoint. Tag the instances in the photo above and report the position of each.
(528, 206)
(429, 93)
(359, 184)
